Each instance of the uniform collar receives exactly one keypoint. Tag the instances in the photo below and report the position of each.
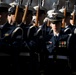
(57, 34)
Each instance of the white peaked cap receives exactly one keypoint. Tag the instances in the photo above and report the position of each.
(13, 4)
(62, 10)
(50, 13)
(35, 7)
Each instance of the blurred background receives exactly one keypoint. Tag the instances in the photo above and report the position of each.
(47, 4)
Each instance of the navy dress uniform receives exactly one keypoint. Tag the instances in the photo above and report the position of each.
(8, 28)
(68, 27)
(13, 35)
(34, 35)
(73, 17)
(4, 53)
(72, 49)
(25, 51)
(57, 53)
(27, 23)
(72, 41)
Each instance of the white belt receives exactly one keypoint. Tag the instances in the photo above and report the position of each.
(58, 57)
(4, 54)
(24, 54)
(61, 57)
(51, 56)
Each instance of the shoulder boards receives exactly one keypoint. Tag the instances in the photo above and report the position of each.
(31, 26)
(66, 29)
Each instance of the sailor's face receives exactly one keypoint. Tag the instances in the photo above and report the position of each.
(56, 26)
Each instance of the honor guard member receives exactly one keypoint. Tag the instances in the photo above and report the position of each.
(56, 54)
(25, 52)
(41, 16)
(34, 31)
(27, 20)
(55, 8)
(72, 44)
(13, 35)
(40, 34)
(3, 14)
(14, 19)
(34, 34)
(4, 53)
(73, 17)
(20, 11)
(68, 28)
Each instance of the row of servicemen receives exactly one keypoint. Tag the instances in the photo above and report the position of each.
(29, 49)
(24, 50)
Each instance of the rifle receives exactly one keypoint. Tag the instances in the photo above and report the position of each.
(19, 3)
(37, 16)
(48, 23)
(16, 12)
(65, 10)
(63, 21)
(26, 10)
(25, 14)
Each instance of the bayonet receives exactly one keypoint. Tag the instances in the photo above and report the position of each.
(74, 8)
(58, 2)
(42, 3)
(30, 2)
(55, 6)
(67, 4)
(39, 2)
(20, 2)
(74, 13)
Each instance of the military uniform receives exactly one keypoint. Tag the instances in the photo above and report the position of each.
(56, 53)
(4, 53)
(72, 43)
(68, 28)
(25, 52)
(9, 31)
(12, 36)
(35, 34)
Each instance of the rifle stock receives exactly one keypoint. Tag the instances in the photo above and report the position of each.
(48, 23)
(37, 16)
(25, 14)
(16, 13)
(73, 18)
(63, 23)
